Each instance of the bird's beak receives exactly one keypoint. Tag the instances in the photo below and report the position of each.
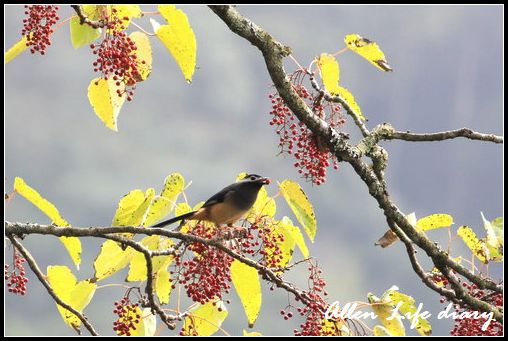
(265, 181)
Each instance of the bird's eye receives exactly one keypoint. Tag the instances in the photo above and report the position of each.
(253, 178)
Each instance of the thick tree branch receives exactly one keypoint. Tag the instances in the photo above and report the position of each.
(273, 53)
(42, 278)
(21, 229)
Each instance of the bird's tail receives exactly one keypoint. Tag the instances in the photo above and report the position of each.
(174, 220)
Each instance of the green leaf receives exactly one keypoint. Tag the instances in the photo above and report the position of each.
(434, 221)
(300, 205)
(72, 244)
(105, 100)
(246, 281)
(368, 50)
(15, 50)
(205, 319)
(179, 38)
(84, 34)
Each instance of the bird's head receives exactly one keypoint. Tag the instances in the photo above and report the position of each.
(257, 179)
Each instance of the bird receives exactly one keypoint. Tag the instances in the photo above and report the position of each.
(226, 206)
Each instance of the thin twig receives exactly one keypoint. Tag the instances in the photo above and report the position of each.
(42, 278)
(444, 135)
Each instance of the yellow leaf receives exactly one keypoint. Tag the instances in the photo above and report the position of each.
(163, 286)
(294, 233)
(126, 11)
(159, 208)
(143, 53)
(434, 221)
(477, 247)
(148, 322)
(137, 267)
(179, 39)
(127, 206)
(163, 205)
(105, 100)
(423, 326)
(284, 247)
(72, 244)
(495, 238)
(246, 333)
(36, 199)
(246, 281)
(173, 186)
(111, 259)
(334, 328)
(15, 50)
(300, 205)
(329, 69)
(384, 310)
(205, 319)
(263, 206)
(381, 331)
(84, 34)
(183, 208)
(350, 100)
(368, 50)
(77, 295)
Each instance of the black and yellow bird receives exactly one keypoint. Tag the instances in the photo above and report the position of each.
(228, 205)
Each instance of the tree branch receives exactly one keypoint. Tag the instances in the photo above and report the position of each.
(444, 135)
(273, 54)
(21, 229)
(42, 278)
(83, 18)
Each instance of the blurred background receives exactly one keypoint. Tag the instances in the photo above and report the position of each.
(448, 74)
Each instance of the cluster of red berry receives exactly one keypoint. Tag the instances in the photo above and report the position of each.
(116, 56)
(314, 310)
(270, 250)
(473, 326)
(312, 155)
(128, 317)
(206, 276)
(16, 280)
(38, 26)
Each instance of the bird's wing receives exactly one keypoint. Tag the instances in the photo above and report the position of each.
(220, 196)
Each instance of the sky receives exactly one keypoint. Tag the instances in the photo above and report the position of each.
(448, 67)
